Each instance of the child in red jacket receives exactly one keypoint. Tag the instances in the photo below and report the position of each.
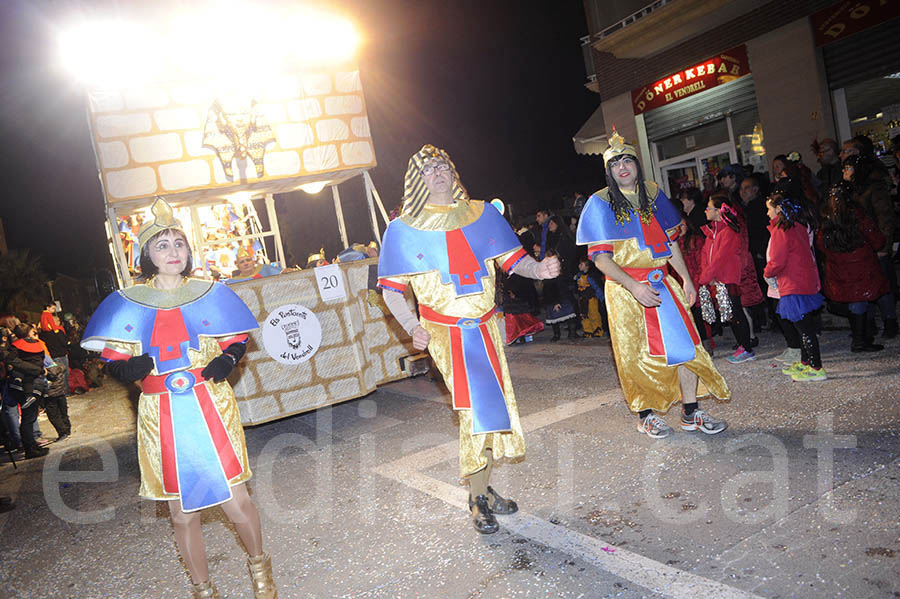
(791, 263)
(723, 260)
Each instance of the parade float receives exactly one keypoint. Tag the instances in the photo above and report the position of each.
(218, 128)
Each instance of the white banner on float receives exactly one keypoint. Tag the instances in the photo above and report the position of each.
(330, 280)
(291, 334)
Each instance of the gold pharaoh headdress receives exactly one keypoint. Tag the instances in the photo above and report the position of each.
(617, 147)
(243, 252)
(163, 219)
(415, 194)
(313, 258)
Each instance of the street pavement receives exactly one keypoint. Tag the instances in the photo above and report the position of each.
(800, 497)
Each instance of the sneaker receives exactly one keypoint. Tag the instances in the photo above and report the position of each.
(809, 375)
(741, 355)
(654, 426)
(794, 368)
(62, 437)
(790, 355)
(703, 422)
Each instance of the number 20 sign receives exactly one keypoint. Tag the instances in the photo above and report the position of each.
(330, 280)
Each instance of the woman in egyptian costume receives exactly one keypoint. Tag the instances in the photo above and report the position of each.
(180, 337)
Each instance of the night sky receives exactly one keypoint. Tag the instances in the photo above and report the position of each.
(499, 84)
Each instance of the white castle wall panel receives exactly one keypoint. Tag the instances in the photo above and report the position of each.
(332, 329)
(335, 105)
(191, 95)
(346, 83)
(143, 99)
(360, 126)
(303, 110)
(246, 385)
(113, 154)
(182, 175)
(177, 118)
(274, 113)
(141, 180)
(300, 399)
(281, 377)
(316, 84)
(357, 152)
(344, 388)
(321, 158)
(106, 102)
(193, 143)
(281, 88)
(156, 148)
(282, 163)
(332, 362)
(332, 130)
(294, 135)
(121, 125)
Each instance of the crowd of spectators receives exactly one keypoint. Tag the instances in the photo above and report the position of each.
(41, 365)
(846, 212)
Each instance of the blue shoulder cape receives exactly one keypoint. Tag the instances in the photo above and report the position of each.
(460, 255)
(598, 223)
(167, 333)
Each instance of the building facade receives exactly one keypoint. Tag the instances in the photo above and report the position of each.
(698, 84)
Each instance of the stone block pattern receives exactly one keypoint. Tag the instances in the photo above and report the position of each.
(361, 347)
(149, 141)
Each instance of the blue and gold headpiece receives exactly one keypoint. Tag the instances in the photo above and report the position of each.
(163, 219)
(617, 147)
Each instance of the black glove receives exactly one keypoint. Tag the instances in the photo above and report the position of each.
(222, 365)
(128, 371)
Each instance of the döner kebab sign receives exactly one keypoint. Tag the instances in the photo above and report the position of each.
(722, 68)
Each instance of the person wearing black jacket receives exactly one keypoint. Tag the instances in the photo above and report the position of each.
(26, 360)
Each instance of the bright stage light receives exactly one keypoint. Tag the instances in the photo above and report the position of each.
(204, 44)
(110, 53)
(321, 39)
(314, 188)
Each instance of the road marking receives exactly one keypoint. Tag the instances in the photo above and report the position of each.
(635, 568)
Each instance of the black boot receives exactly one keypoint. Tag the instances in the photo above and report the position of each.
(861, 342)
(890, 328)
(482, 518)
(35, 452)
(555, 336)
(498, 504)
(573, 329)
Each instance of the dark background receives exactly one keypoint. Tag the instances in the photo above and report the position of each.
(498, 84)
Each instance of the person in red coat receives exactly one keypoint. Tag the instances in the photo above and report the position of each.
(850, 241)
(791, 264)
(724, 255)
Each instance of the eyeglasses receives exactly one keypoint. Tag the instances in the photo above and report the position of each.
(440, 167)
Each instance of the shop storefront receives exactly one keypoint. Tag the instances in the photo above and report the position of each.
(700, 119)
(862, 62)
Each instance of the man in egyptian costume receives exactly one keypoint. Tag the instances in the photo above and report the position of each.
(630, 228)
(447, 248)
(181, 337)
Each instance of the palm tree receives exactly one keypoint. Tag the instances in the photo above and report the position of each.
(22, 281)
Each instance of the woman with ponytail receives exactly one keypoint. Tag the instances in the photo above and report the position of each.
(723, 259)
